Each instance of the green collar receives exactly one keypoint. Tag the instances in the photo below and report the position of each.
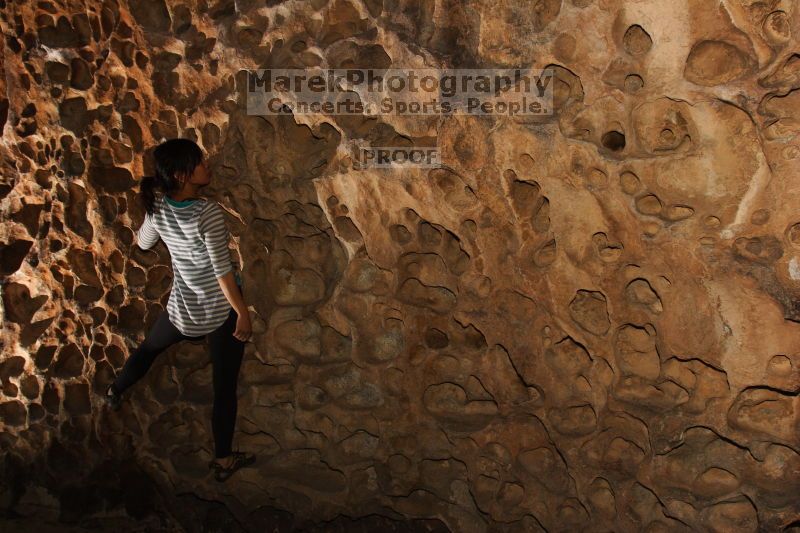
(182, 203)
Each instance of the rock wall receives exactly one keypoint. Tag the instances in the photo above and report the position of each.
(587, 321)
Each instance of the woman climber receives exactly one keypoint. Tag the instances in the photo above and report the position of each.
(206, 298)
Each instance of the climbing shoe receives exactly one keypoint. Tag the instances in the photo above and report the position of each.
(113, 398)
(240, 460)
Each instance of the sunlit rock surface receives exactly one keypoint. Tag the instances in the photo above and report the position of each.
(586, 322)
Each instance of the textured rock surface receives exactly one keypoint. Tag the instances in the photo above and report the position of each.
(587, 322)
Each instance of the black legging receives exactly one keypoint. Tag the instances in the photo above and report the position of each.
(226, 358)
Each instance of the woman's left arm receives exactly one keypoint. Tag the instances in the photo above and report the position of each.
(148, 234)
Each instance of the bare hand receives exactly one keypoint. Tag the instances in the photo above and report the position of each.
(243, 327)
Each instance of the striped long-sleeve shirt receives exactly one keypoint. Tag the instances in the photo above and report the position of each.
(197, 238)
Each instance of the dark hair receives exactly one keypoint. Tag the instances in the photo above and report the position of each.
(171, 157)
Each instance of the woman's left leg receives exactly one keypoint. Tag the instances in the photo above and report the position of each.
(226, 358)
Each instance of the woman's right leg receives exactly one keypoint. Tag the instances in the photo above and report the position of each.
(226, 358)
(161, 336)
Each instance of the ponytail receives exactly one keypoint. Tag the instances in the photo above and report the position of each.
(147, 193)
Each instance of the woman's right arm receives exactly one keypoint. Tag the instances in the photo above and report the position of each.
(215, 235)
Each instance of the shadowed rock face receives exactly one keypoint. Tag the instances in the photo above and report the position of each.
(585, 322)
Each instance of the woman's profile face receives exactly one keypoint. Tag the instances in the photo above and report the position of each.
(201, 174)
